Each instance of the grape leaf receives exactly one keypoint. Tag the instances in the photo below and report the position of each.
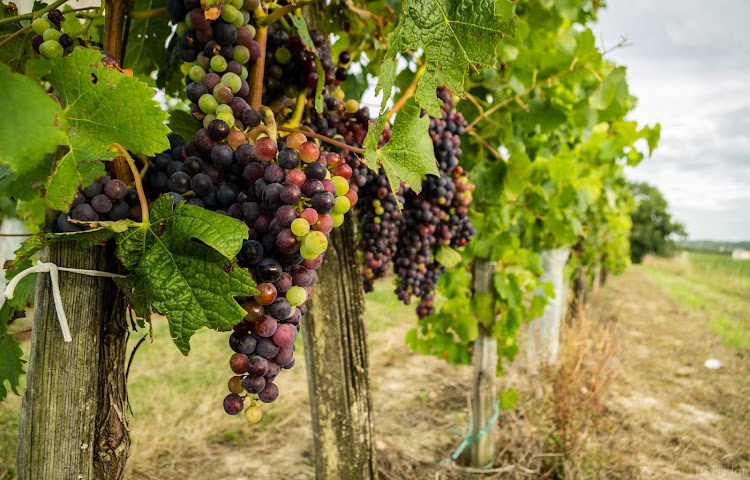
(183, 124)
(448, 257)
(455, 36)
(193, 284)
(14, 52)
(409, 154)
(84, 239)
(300, 23)
(27, 109)
(102, 106)
(11, 363)
(146, 49)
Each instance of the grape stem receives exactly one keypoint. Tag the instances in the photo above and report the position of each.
(138, 184)
(255, 77)
(144, 14)
(408, 93)
(268, 19)
(16, 234)
(299, 110)
(37, 13)
(15, 34)
(323, 138)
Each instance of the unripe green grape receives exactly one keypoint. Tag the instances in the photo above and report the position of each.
(233, 81)
(296, 296)
(291, 91)
(241, 54)
(196, 73)
(245, 17)
(182, 27)
(227, 117)
(207, 103)
(223, 109)
(40, 25)
(51, 49)
(244, 73)
(342, 185)
(338, 94)
(337, 219)
(341, 205)
(51, 34)
(253, 414)
(282, 55)
(252, 30)
(229, 13)
(351, 106)
(188, 24)
(250, 5)
(300, 227)
(315, 242)
(208, 119)
(218, 63)
(379, 210)
(306, 253)
(328, 175)
(239, 19)
(237, 4)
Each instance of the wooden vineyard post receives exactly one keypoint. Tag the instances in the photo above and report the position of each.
(73, 421)
(337, 365)
(481, 449)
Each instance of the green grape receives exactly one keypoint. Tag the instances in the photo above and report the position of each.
(245, 17)
(306, 253)
(341, 205)
(338, 94)
(182, 27)
(252, 30)
(315, 242)
(300, 227)
(342, 185)
(207, 103)
(229, 13)
(337, 219)
(244, 73)
(239, 19)
(237, 3)
(51, 34)
(296, 296)
(196, 73)
(351, 106)
(241, 54)
(233, 81)
(218, 63)
(188, 24)
(282, 55)
(208, 119)
(328, 175)
(40, 25)
(223, 109)
(227, 117)
(51, 49)
(253, 414)
(379, 210)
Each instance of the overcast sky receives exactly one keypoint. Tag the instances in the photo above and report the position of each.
(689, 66)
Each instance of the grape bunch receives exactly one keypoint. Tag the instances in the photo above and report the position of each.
(291, 195)
(106, 199)
(49, 41)
(291, 67)
(217, 55)
(437, 216)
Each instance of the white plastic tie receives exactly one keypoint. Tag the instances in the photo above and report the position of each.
(43, 267)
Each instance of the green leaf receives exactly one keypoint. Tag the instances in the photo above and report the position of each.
(27, 111)
(102, 106)
(455, 36)
(183, 124)
(15, 51)
(448, 257)
(193, 284)
(146, 49)
(609, 90)
(409, 154)
(507, 399)
(11, 363)
(85, 239)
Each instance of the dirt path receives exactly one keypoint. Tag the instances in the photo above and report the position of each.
(677, 418)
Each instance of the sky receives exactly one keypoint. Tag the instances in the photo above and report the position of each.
(689, 66)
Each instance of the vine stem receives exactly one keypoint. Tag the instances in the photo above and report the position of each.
(255, 77)
(16, 234)
(299, 110)
(37, 13)
(408, 93)
(144, 14)
(138, 184)
(15, 34)
(323, 138)
(268, 19)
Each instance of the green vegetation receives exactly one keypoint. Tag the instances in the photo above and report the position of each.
(711, 285)
(653, 226)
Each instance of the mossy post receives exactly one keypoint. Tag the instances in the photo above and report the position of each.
(73, 421)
